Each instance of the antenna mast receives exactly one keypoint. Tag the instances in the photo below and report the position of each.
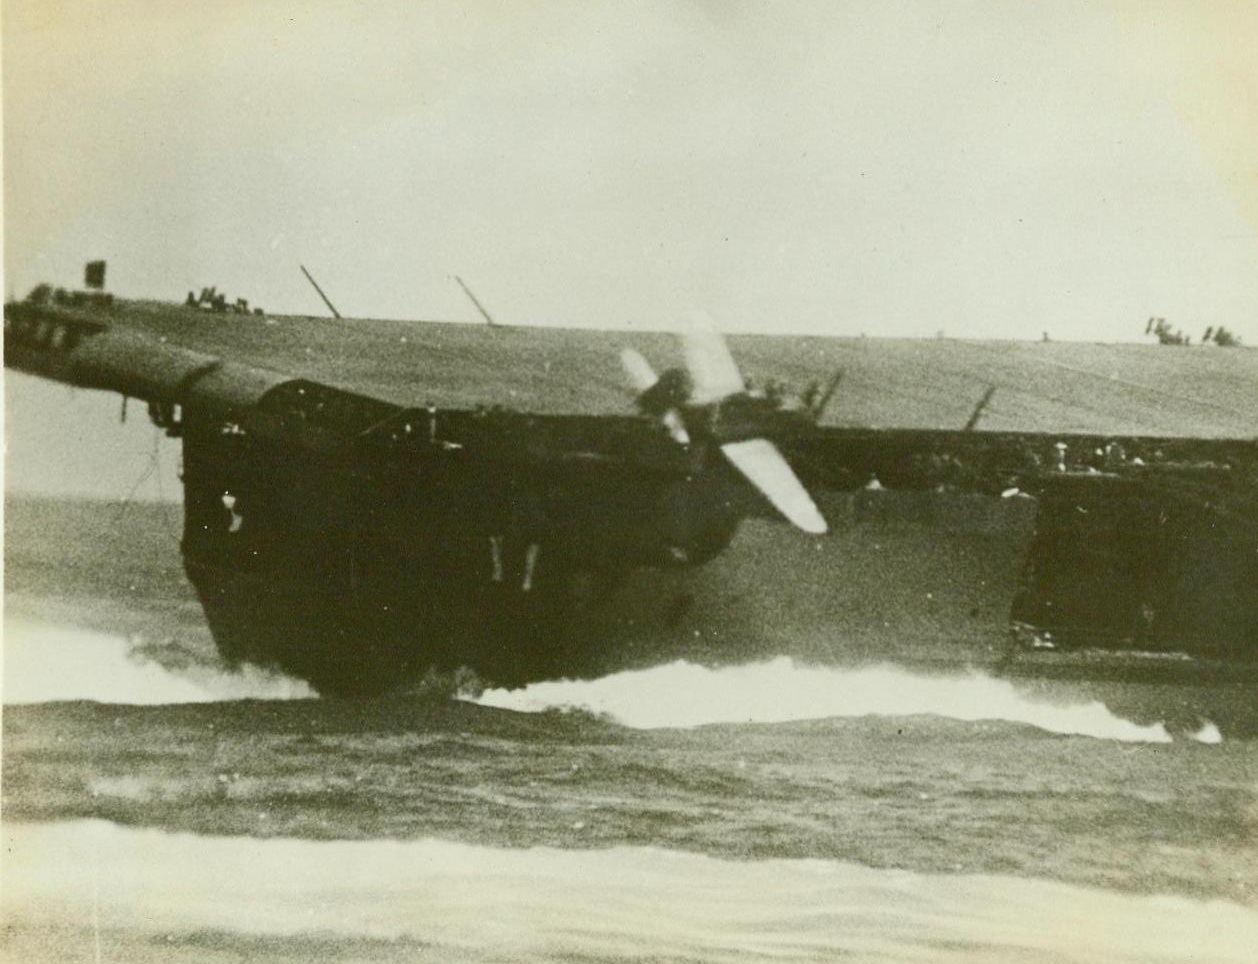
(479, 307)
(309, 277)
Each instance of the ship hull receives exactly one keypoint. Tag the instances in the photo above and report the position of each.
(912, 577)
(926, 581)
(922, 580)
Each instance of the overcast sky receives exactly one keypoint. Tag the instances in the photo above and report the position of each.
(985, 168)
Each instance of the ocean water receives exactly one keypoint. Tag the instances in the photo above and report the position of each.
(158, 807)
(148, 893)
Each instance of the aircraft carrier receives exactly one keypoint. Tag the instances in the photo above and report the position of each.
(365, 502)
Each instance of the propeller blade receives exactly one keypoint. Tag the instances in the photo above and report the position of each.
(643, 378)
(765, 468)
(638, 370)
(676, 427)
(711, 366)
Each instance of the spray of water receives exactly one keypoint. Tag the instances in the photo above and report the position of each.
(48, 663)
(1209, 733)
(682, 694)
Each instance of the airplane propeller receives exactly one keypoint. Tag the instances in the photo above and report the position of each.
(647, 385)
(710, 379)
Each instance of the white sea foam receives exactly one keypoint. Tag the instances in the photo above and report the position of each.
(682, 694)
(88, 884)
(45, 663)
(1209, 733)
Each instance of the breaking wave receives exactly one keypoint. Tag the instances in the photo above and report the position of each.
(153, 895)
(43, 663)
(1209, 733)
(52, 663)
(682, 694)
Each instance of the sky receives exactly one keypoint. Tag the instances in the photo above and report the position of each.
(981, 168)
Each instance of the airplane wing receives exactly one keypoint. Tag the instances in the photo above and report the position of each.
(763, 464)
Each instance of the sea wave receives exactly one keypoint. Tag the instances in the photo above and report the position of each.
(682, 694)
(45, 663)
(75, 886)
